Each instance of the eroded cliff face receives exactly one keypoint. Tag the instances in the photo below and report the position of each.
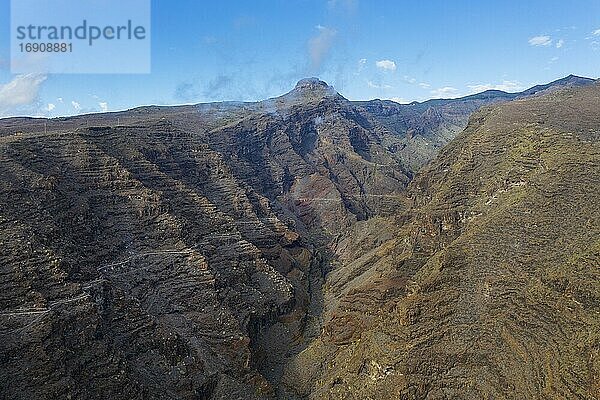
(135, 264)
(273, 250)
(146, 254)
(488, 285)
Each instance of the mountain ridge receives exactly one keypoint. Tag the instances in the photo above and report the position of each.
(306, 84)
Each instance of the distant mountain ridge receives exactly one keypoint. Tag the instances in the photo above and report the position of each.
(415, 132)
(427, 126)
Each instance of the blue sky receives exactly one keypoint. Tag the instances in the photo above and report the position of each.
(402, 50)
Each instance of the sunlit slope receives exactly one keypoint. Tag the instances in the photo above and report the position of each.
(490, 285)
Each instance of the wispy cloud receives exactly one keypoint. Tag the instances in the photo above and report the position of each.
(76, 106)
(542, 40)
(505, 86)
(361, 64)
(399, 100)
(23, 90)
(386, 65)
(560, 43)
(50, 107)
(596, 32)
(320, 45)
(414, 81)
(378, 86)
(446, 92)
(103, 106)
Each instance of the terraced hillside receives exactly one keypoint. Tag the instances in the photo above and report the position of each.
(285, 249)
(144, 252)
(489, 287)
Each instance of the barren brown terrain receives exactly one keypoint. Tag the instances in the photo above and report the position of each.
(303, 247)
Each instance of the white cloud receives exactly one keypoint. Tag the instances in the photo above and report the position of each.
(361, 65)
(50, 107)
(320, 45)
(560, 44)
(23, 90)
(596, 32)
(377, 86)
(505, 86)
(541, 40)
(60, 99)
(103, 106)
(387, 65)
(76, 106)
(413, 81)
(399, 100)
(446, 92)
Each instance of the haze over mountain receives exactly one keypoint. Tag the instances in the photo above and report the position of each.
(305, 246)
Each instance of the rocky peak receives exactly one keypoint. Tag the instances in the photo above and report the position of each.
(311, 84)
(566, 82)
(572, 80)
(313, 87)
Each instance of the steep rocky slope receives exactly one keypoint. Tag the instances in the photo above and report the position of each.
(489, 286)
(143, 253)
(134, 265)
(271, 249)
